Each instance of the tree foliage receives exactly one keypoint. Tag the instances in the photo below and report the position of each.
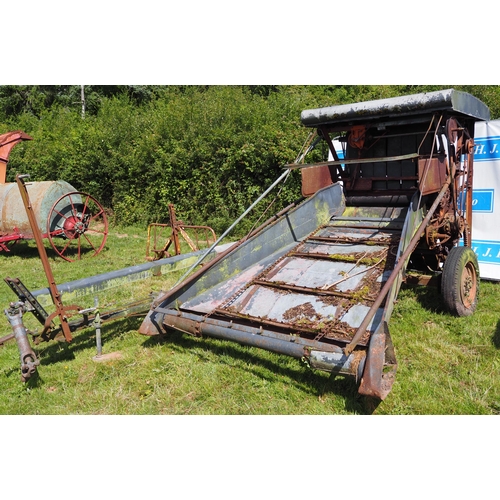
(209, 150)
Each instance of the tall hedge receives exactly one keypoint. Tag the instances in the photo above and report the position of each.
(211, 151)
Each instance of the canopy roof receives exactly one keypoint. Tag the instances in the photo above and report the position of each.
(416, 105)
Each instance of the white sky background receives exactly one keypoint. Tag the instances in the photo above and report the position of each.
(259, 42)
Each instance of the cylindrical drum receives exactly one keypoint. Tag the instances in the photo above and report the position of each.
(43, 195)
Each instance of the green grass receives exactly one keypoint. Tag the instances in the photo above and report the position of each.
(447, 365)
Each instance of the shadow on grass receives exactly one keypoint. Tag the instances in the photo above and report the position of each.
(429, 297)
(35, 381)
(496, 336)
(311, 382)
(27, 249)
(58, 351)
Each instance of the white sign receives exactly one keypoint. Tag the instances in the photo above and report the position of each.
(486, 198)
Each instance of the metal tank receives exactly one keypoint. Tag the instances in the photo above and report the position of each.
(74, 222)
(43, 195)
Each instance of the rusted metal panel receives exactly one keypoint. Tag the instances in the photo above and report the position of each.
(432, 173)
(321, 287)
(7, 142)
(315, 178)
(253, 255)
(317, 289)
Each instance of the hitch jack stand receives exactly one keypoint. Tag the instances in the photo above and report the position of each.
(97, 325)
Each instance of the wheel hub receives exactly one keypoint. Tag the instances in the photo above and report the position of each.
(74, 226)
(468, 285)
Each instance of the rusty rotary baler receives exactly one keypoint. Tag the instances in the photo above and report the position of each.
(320, 280)
(74, 222)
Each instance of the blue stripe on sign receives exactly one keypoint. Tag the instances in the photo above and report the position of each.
(487, 251)
(482, 200)
(487, 148)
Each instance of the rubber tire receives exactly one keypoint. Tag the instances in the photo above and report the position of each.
(460, 281)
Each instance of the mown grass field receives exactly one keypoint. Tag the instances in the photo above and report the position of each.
(447, 365)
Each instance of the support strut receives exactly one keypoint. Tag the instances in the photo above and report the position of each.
(54, 292)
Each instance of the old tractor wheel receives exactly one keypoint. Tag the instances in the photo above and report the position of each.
(77, 226)
(460, 281)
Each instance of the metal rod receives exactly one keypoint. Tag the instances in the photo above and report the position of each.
(7, 338)
(120, 277)
(230, 228)
(54, 292)
(97, 323)
(468, 193)
(305, 290)
(257, 337)
(409, 156)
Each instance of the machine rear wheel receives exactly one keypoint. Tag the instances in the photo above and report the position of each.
(77, 226)
(460, 281)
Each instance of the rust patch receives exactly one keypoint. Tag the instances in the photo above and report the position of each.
(305, 316)
(303, 310)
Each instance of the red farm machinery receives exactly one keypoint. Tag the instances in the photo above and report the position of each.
(74, 222)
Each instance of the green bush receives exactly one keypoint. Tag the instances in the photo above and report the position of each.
(209, 150)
